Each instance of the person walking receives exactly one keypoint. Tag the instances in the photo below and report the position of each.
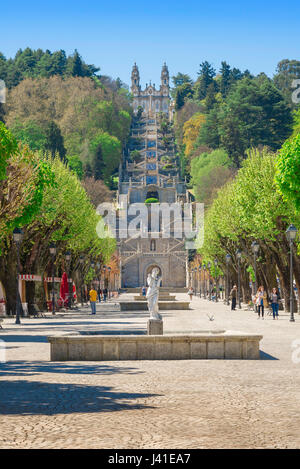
(144, 290)
(93, 299)
(275, 302)
(261, 301)
(233, 295)
(99, 292)
(191, 292)
(105, 291)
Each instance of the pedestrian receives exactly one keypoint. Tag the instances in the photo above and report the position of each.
(93, 299)
(105, 291)
(99, 291)
(233, 295)
(191, 292)
(261, 301)
(144, 290)
(275, 302)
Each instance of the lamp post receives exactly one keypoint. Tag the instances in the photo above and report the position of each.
(81, 260)
(255, 249)
(216, 278)
(239, 255)
(104, 282)
(199, 269)
(228, 258)
(192, 281)
(68, 259)
(223, 286)
(291, 234)
(18, 236)
(52, 250)
(204, 283)
(209, 286)
(109, 285)
(104, 269)
(93, 267)
(98, 265)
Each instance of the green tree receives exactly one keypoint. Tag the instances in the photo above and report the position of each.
(206, 76)
(98, 165)
(77, 68)
(179, 80)
(110, 150)
(253, 114)
(226, 78)
(54, 140)
(288, 171)
(8, 146)
(286, 72)
(182, 93)
(30, 133)
(209, 172)
(75, 164)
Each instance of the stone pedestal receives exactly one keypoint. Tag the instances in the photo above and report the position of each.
(155, 327)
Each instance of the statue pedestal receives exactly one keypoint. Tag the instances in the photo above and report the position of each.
(155, 327)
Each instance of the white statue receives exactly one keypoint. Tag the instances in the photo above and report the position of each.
(153, 282)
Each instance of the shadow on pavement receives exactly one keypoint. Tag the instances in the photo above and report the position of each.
(266, 356)
(24, 338)
(37, 397)
(25, 368)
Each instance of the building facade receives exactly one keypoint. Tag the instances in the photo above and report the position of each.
(151, 100)
(149, 172)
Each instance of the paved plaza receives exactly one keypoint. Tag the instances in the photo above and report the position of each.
(150, 404)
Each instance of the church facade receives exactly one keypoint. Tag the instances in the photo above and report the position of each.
(148, 173)
(151, 100)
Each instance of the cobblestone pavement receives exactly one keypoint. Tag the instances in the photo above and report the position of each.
(150, 404)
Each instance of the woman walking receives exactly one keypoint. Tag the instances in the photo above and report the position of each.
(275, 302)
(191, 292)
(261, 301)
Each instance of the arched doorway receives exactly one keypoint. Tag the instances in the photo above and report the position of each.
(149, 270)
(153, 194)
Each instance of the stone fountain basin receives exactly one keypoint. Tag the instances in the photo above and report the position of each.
(212, 344)
(162, 305)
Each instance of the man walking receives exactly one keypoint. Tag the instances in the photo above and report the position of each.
(93, 299)
(233, 295)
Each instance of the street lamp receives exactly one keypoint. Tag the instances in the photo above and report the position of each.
(209, 286)
(81, 260)
(199, 268)
(239, 255)
(52, 250)
(192, 278)
(18, 236)
(291, 234)
(255, 249)
(216, 279)
(93, 267)
(228, 258)
(109, 285)
(104, 269)
(204, 283)
(98, 265)
(68, 259)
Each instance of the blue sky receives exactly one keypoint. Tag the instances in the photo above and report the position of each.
(112, 35)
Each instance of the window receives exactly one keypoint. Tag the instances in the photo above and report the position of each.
(151, 180)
